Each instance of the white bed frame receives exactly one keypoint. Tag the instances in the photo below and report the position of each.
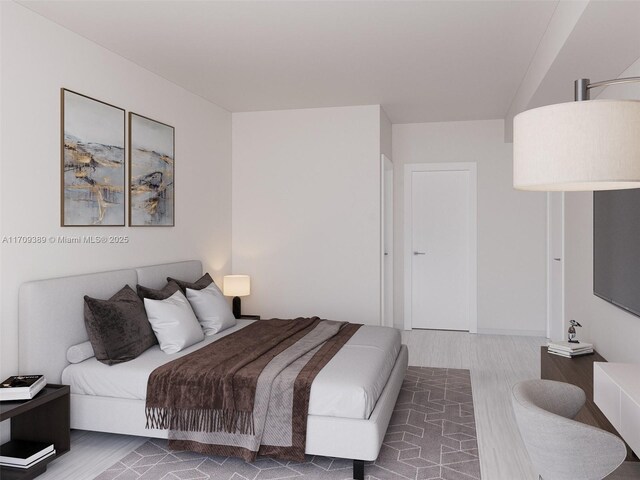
(52, 319)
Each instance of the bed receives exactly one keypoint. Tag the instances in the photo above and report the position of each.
(351, 401)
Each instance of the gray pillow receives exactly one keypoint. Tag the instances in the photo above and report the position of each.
(211, 309)
(162, 294)
(118, 328)
(203, 282)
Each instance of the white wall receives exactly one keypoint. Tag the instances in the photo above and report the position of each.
(38, 58)
(614, 332)
(386, 135)
(306, 212)
(511, 224)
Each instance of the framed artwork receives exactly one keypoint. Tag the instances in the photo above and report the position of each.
(151, 172)
(92, 162)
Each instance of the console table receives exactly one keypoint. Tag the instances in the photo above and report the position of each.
(579, 371)
(616, 390)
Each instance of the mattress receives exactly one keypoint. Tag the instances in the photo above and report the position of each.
(348, 386)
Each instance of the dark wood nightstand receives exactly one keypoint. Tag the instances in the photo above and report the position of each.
(44, 418)
(250, 317)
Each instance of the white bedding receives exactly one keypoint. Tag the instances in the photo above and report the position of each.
(348, 386)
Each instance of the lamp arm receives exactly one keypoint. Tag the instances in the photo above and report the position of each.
(582, 86)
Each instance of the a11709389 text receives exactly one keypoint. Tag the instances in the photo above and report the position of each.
(63, 239)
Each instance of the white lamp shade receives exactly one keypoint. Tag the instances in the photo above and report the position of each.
(236, 285)
(587, 145)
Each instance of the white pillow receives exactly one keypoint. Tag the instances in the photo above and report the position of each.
(80, 352)
(174, 323)
(211, 308)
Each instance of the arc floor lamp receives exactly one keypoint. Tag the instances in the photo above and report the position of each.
(583, 145)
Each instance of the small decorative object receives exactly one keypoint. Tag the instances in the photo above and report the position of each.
(151, 172)
(92, 151)
(572, 331)
(236, 286)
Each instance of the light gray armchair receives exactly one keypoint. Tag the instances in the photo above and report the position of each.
(559, 447)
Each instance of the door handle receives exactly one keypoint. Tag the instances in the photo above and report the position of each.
(419, 253)
(557, 259)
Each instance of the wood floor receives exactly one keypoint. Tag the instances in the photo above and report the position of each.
(496, 362)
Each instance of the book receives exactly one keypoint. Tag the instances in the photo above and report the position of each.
(22, 453)
(21, 387)
(570, 347)
(35, 462)
(578, 352)
(561, 348)
(569, 355)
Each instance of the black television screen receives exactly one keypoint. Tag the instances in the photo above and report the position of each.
(616, 248)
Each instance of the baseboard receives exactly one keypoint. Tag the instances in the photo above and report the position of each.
(522, 333)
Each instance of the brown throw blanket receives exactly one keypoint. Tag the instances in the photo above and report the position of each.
(248, 392)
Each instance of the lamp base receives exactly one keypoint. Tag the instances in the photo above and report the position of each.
(236, 307)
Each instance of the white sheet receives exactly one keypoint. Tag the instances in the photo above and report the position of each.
(348, 386)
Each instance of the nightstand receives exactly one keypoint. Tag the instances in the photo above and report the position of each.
(44, 418)
(250, 317)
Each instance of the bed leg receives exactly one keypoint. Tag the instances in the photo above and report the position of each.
(358, 469)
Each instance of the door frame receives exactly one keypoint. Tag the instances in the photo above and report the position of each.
(557, 328)
(470, 167)
(387, 322)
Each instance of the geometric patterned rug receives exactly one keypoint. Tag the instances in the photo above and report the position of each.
(432, 435)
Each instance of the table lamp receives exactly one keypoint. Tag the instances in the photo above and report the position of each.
(236, 286)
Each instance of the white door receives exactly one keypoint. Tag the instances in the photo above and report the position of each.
(442, 248)
(555, 293)
(387, 242)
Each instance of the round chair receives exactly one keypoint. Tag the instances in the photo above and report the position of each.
(561, 448)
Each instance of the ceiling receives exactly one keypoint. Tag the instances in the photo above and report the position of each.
(422, 61)
(603, 44)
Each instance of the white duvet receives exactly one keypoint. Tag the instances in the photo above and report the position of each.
(348, 386)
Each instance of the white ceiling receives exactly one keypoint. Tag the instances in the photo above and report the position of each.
(422, 61)
(603, 44)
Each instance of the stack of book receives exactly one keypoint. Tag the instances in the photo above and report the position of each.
(570, 350)
(21, 387)
(23, 454)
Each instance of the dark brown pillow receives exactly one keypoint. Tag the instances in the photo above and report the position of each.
(118, 328)
(203, 282)
(162, 294)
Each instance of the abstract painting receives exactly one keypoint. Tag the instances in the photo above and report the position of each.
(151, 172)
(93, 183)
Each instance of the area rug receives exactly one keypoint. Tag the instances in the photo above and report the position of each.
(432, 435)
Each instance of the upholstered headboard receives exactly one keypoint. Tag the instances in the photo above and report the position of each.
(51, 312)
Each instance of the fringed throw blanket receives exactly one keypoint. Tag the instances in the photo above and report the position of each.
(248, 392)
